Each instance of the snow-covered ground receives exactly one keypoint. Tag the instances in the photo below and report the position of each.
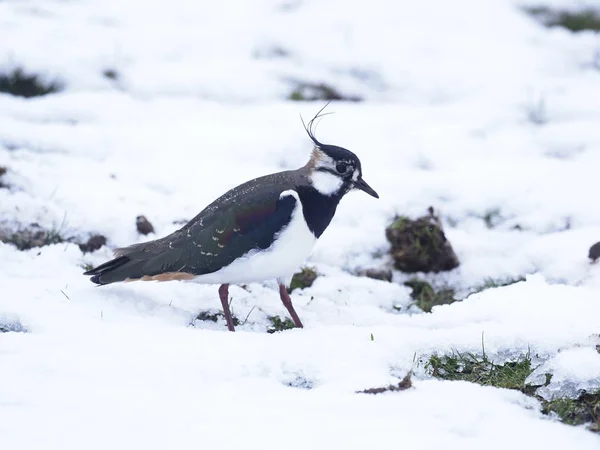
(470, 106)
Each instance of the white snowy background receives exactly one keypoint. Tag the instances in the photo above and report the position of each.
(470, 106)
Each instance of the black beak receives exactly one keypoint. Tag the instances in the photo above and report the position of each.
(363, 186)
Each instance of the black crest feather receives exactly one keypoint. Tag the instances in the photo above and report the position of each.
(311, 127)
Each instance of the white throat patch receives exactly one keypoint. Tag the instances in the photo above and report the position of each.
(326, 183)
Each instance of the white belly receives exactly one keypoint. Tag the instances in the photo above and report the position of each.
(280, 261)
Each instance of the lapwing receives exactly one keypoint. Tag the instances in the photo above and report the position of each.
(263, 229)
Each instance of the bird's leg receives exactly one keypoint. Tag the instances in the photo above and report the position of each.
(224, 295)
(287, 302)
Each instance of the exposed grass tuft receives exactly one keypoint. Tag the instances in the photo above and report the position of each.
(303, 279)
(12, 327)
(319, 91)
(33, 236)
(480, 370)
(492, 218)
(512, 375)
(583, 19)
(490, 283)
(279, 324)
(426, 297)
(20, 84)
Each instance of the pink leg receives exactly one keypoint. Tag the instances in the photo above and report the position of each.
(287, 302)
(224, 295)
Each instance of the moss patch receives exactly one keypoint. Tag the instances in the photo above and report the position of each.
(583, 410)
(279, 324)
(20, 84)
(420, 245)
(426, 297)
(214, 316)
(303, 279)
(583, 19)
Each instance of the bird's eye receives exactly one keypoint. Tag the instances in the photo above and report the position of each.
(341, 167)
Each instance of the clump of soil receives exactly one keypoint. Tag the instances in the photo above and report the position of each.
(94, 243)
(378, 274)
(404, 384)
(594, 252)
(3, 171)
(420, 245)
(143, 225)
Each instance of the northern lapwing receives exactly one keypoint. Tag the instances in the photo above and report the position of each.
(263, 229)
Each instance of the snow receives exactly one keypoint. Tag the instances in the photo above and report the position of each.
(470, 107)
(573, 371)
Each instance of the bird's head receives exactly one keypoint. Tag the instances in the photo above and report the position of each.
(334, 170)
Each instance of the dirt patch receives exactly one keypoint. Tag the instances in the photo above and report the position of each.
(94, 243)
(404, 384)
(21, 84)
(320, 91)
(3, 171)
(32, 236)
(378, 274)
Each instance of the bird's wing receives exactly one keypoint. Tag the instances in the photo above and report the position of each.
(229, 228)
(225, 234)
(247, 217)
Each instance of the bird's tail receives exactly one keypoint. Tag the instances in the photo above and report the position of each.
(146, 261)
(112, 271)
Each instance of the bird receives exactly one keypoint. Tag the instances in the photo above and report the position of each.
(263, 229)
